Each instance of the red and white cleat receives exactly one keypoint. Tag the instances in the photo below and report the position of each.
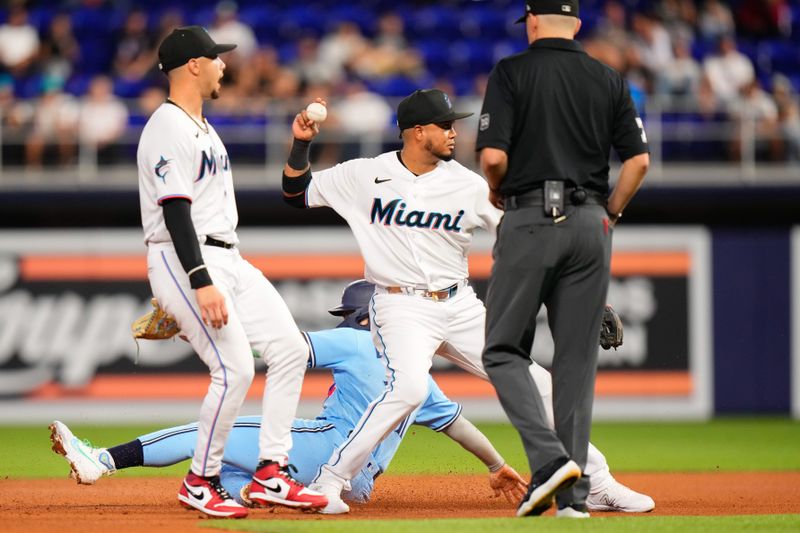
(208, 496)
(273, 485)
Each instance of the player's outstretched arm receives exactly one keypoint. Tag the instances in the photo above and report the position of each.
(502, 478)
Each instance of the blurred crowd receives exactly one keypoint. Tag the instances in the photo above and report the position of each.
(66, 84)
(692, 55)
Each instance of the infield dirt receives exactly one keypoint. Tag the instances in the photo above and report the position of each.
(150, 504)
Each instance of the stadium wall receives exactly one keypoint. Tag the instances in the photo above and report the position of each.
(706, 303)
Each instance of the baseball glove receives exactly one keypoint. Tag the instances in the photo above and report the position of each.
(155, 325)
(611, 329)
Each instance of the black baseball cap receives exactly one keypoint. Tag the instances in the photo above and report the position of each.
(426, 106)
(187, 43)
(550, 7)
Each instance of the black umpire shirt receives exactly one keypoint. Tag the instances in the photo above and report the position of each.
(556, 112)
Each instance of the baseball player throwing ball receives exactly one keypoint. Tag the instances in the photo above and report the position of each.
(357, 378)
(222, 304)
(413, 213)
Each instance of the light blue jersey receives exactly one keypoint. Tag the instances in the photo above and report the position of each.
(359, 376)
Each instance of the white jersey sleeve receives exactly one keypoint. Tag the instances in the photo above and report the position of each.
(334, 187)
(488, 215)
(167, 157)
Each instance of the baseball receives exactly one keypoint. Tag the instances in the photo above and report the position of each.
(317, 112)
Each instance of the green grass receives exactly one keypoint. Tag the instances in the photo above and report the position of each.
(658, 524)
(724, 444)
(26, 450)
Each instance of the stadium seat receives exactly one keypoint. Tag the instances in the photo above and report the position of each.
(262, 19)
(463, 85)
(126, 88)
(435, 53)
(40, 18)
(782, 56)
(483, 21)
(472, 56)
(28, 87)
(77, 84)
(301, 20)
(433, 22)
(396, 86)
(202, 16)
(363, 17)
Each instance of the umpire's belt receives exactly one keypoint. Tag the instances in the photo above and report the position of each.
(440, 295)
(572, 196)
(211, 241)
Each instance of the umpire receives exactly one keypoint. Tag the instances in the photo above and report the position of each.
(550, 117)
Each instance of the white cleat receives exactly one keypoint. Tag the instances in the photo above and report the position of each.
(88, 464)
(619, 498)
(336, 504)
(571, 512)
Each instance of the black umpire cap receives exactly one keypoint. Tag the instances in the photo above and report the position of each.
(550, 7)
(187, 43)
(426, 106)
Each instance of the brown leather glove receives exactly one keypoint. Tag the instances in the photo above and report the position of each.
(155, 325)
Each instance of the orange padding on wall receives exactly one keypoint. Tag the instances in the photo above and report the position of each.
(134, 267)
(457, 385)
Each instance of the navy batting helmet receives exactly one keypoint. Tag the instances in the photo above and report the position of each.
(355, 304)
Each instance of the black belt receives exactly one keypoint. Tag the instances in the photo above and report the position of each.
(573, 196)
(211, 241)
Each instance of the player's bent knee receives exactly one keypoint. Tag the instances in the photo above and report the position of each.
(242, 376)
(411, 392)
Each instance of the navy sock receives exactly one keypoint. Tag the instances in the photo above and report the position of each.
(128, 454)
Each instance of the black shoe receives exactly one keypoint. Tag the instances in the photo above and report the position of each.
(572, 511)
(553, 477)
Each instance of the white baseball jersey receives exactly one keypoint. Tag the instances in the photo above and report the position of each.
(413, 231)
(177, 159)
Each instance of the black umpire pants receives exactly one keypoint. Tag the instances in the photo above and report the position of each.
(564, 266)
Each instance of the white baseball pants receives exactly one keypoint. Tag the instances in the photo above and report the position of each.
(407, 331)
(257, 318)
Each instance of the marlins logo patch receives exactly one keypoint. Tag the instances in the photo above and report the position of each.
(447, 101)
(162, 168)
